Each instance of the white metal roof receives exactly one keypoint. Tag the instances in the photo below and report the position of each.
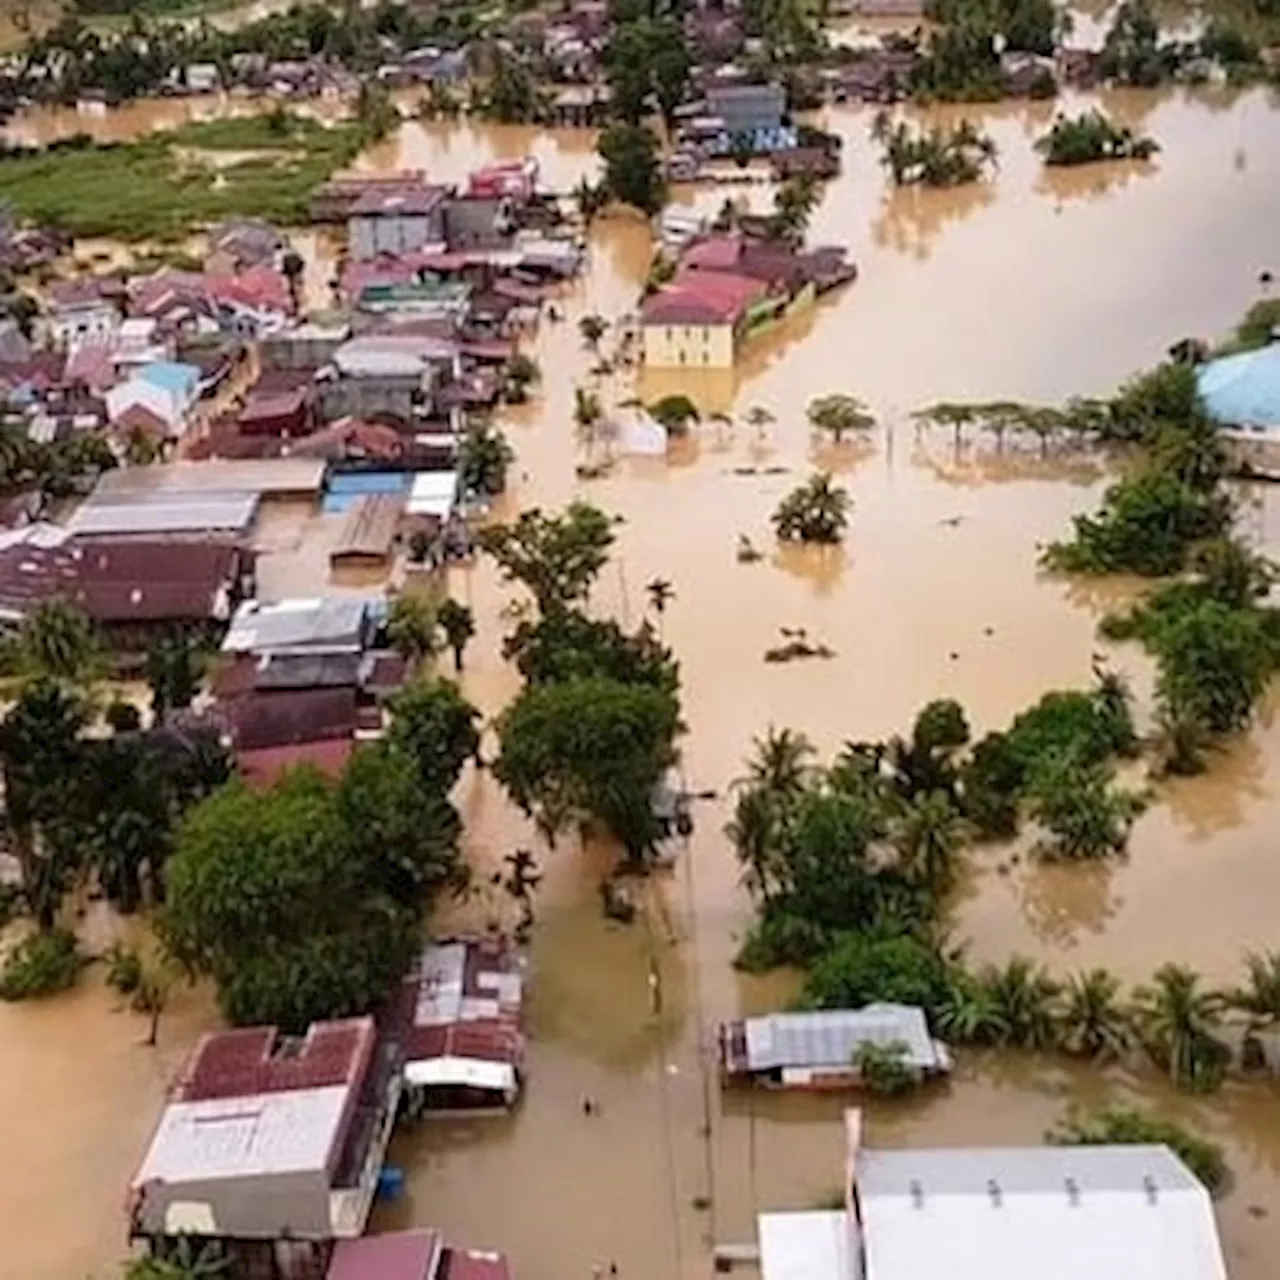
(433, 494)
(442, 998)
(830, 1038)
(325, 622)
(1055, 1213)
(808, 1246)
(255, 1136)
(164, 512)
(264, 475)
(471, 1073)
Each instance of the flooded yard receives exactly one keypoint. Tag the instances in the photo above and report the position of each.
(1031, 288)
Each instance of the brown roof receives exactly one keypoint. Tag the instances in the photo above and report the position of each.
(248, 1061)
(149, 580)
(263, 769)
(370, 527)
(290, 718)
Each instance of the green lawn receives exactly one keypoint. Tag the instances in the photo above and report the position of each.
(160, 187)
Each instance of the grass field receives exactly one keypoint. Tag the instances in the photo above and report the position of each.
(170, 184)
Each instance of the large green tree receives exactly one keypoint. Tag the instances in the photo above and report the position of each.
(589, 748)
(633, 166)
(557, 557)
(301, 902)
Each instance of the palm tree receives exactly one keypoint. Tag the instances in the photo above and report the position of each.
(587, 415)
(661, 593)
(1025, 999)
(58, 640)
(1092, 1021)
(759, 418)
(458, 624)
(780, 765)
(521, 879)
(970, 1014)
(592, 327)
(1259, 999)
(753, 831)
(927, 839)
(1178, 1021)
(816, 511)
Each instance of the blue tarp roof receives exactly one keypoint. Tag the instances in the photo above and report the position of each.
(178, 379)
(1244, 390)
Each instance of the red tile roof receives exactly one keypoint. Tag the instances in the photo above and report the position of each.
(398, 1255)
(244, 1062)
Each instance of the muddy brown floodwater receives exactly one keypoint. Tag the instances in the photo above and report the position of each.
(1034, 288)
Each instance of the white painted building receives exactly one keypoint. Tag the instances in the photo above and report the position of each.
(1002, 1213)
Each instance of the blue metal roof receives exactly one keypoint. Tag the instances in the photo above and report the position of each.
(1244, 390)
(168, 375)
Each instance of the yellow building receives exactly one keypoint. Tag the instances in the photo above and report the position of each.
(698, 320)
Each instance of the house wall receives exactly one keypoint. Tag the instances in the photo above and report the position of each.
(82, 324)
(362, 397)
(261, 1207)
(698, 346)
(371, 234)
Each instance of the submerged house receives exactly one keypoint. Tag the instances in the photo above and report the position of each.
(1242, 394)
(270, 1146)
(419, 1254)
(818, 1050)
(457, 1022)
(1001, 1213)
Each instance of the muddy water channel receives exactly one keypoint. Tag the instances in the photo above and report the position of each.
(1034, 288)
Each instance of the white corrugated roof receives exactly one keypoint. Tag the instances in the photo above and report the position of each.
(175, 512)
(808, 1246)
(312, 623)
(471, 1073)
(256, 1136)
(831, 1037)
(265, 475)
(1055, 1213)
(433, 494)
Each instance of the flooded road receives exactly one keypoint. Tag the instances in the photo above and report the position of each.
(1032, 288)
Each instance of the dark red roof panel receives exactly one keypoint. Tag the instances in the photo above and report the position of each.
(250, 1060)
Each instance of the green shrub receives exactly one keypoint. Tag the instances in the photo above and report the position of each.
(41, 965)
(884, 1069)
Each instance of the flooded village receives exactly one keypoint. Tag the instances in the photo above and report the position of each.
(261, 444)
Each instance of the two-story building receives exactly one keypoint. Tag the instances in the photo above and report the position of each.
(395, 220)
(270, 1147)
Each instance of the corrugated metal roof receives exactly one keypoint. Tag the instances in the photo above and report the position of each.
(329, 622)
(433, 494)
(247, 1137)
(830, 1038)
(1060, 1213)
(168, 513)
(395, 1255)
(260, 476)
(468, 1073)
